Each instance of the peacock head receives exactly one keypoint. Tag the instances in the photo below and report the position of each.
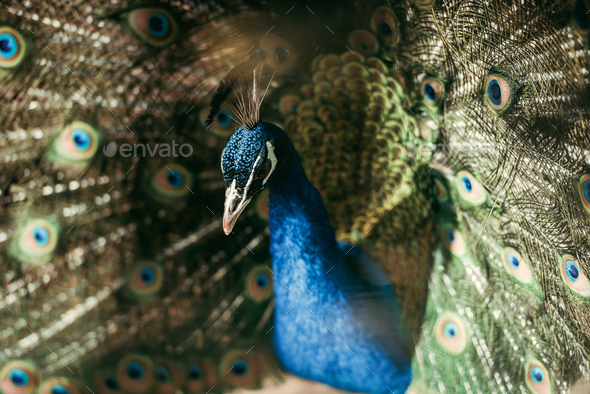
(250, 161)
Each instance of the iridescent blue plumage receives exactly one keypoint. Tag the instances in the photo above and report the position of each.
(335, 322)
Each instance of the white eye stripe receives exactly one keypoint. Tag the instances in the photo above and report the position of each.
(251, 178)
(273, 160)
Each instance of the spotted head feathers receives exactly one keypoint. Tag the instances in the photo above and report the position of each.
(250, 160)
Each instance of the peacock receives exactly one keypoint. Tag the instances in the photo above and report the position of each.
(447, 141)
(349, 308)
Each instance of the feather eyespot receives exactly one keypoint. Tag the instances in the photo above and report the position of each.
(469, 188)
(59, 386)
(384, 24)
(135, 374)
(77, 142)
(517, 266)
(262, 209)
(498, 92)
(584, 189)
(38, 238)
(18, 377)
(537, 377)
(243, 370)
(12, 47)
(281, 52)
(195, 373)
(201, 376)
(259, 284)
(169, 376)
(104, 382)
(432, 91)
(147, 279)
(173, 181)
(156, 26)
(223, 124)
(442, 194)
(111, 383)
(580, 16)
(450, 333)
(363, 42)
(162, 374)
(454, 240)
(288, 104)
(574, 277)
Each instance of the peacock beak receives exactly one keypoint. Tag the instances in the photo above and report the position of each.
(233, 207)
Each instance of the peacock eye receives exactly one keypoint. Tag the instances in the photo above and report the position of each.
(442, 192)
(363, 42)
(201, 376)
(12, 47)
(262, 281)
(282, 53)
(498, 92)
(195, 373)
(111, 383)
(516, 266)
(59, 389)
(288, 104)
(537, 375)
(585, 191)
(59, 386)
(36, 240)
(537, 378)
(18, 377)
(451, 330)
(581, 16)
(469, 188)
(104, 382)
(169, 375)
(259, 283)
(262, 171)
(454, 240)
(239, 367)
(384, 24)
(163, 374)
(77, 142)
(450, 333)
(574, 277)
(243, 370)
(136, 374)
(223, 118)
(156, 26)
(172, 180)
(147, 278)
(432, 91)
(223, 124)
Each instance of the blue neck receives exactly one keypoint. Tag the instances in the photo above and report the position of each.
(329, 326)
